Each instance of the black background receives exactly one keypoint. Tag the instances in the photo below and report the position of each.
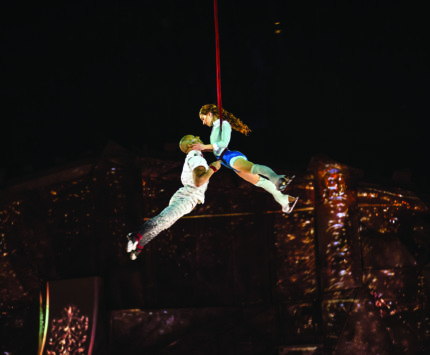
(346, 80)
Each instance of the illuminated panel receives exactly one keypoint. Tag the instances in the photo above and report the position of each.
(71, 317)
(337, 226)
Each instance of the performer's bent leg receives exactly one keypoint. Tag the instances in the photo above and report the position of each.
(256, 169)
(251, 178)
(286, 201)
(280, 181)
(243, 165)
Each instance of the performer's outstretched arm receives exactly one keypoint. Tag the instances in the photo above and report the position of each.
(201, 175)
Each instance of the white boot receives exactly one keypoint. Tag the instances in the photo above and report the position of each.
(132, 242)
(288, 208)
(283, 200)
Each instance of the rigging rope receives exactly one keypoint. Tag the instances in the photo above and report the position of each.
(218, 69)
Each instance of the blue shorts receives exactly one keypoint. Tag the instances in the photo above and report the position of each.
(229, 157)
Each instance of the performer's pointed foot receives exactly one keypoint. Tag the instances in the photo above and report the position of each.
(284, 181)
(289, 206)
(134, 254)
(133, 240)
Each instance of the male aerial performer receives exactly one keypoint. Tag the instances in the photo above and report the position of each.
(195, 177)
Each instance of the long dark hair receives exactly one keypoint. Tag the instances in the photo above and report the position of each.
(235, 123)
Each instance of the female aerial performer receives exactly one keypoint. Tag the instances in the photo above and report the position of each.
(258, 175)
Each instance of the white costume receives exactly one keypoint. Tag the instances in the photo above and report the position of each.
(182, 202)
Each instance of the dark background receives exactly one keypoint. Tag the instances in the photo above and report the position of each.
(341, 79)
(309, 77)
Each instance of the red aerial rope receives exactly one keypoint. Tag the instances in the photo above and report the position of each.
(218, 70)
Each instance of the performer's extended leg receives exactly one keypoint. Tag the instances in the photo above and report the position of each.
(287, 202)
(280, 181)
(178, 207)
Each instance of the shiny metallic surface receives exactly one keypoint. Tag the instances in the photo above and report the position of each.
(346, 273)
(337, 228)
